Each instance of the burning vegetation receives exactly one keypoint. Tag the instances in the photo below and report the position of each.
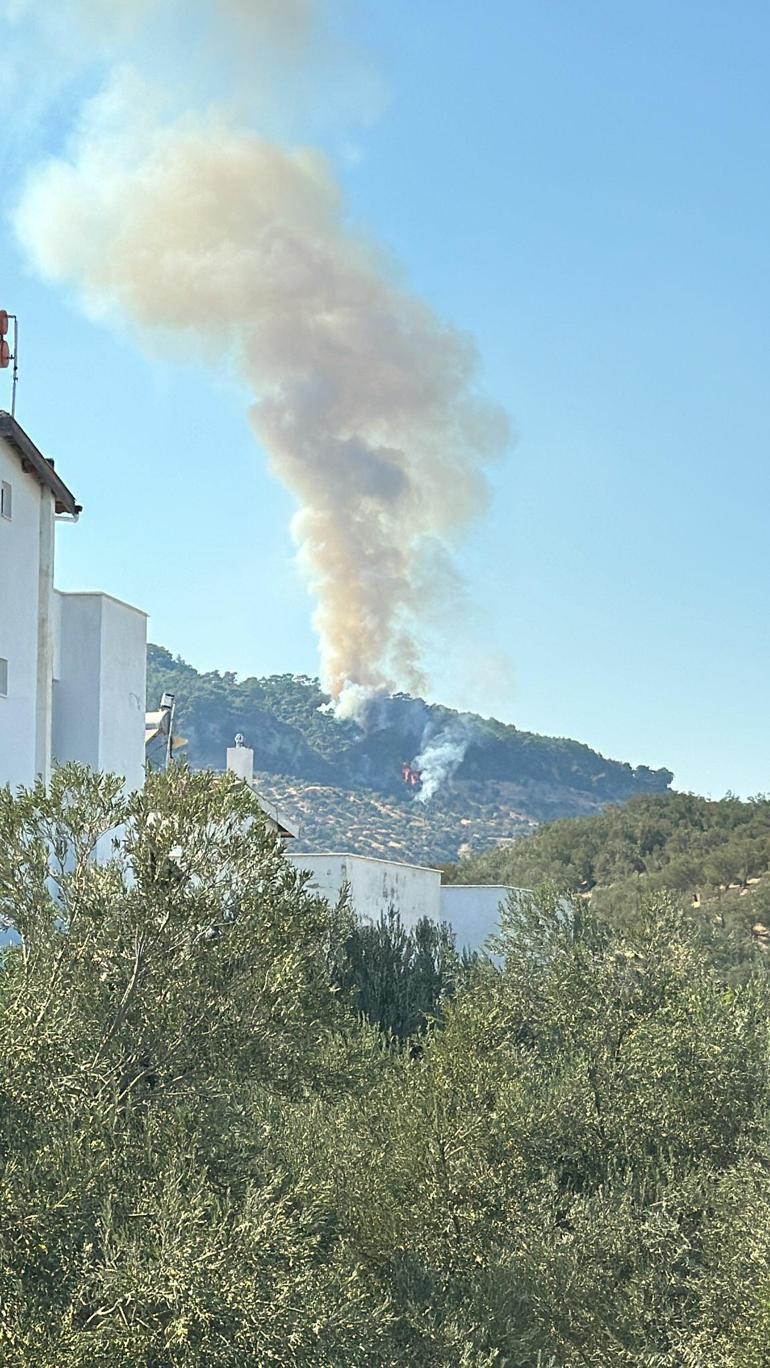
(411, 776)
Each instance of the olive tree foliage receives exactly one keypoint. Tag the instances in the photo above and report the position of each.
(207, 1156)
(160, 1009)
(399, 977)
(573, 1171)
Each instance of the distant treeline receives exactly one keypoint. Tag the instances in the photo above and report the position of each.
(713, 857)
(283, 719)
(344, 785)
(673, 840)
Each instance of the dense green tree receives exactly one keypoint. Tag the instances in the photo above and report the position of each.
(552, 1181)
(399, 978)
(209, 1157)
(161, 1011)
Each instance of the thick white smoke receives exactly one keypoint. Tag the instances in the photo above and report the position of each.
(365, 402)
(441, 756)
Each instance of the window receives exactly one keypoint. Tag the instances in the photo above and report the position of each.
(6, 500)
(3, 678)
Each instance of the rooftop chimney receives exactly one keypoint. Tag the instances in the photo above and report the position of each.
(240, 759)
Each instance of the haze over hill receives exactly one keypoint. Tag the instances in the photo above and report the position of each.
(344, 785)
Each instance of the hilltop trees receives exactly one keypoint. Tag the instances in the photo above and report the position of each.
(669, 841)
(508, 780)
(209, 1156)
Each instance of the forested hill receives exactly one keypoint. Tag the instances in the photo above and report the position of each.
(712, 851)
(345, 787)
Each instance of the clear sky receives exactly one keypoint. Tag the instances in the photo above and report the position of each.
(585, 189)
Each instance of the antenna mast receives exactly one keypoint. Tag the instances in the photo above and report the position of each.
(168, 705)
(6, 355)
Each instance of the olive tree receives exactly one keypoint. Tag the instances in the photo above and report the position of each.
(166, 1000)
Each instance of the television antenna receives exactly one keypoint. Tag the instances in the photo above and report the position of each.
(7, 355)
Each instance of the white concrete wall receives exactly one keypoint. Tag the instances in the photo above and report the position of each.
(123, 690)
(21, 713)
(473, 911)
(99, 688)
(376, 885)
(45, 635)
(76, 694)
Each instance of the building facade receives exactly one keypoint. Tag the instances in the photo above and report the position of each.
(72, 666)
(473, 911)
(414, 891)
(375, 885)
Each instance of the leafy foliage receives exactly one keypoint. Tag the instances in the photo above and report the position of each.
(156, 1010)
(672, 840)
(550, 1182)
(209, 1157)
(399, 978)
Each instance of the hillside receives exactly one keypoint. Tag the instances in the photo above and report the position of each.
(671, 840)
(344, 783)
(714, 855)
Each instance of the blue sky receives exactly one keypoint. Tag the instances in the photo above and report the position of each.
(584, 188)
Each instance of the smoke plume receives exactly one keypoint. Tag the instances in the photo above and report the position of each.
(441, 756)
(365, 402)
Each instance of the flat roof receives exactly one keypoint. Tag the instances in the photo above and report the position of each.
(33, 462)
(509, 888)
(350, 855)
(99, 593)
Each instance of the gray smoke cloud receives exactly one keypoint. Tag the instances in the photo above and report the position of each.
(366, 403)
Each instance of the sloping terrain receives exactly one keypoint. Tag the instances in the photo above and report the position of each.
(672, 840)
(343, 783)
(393, 826)
(712, 856)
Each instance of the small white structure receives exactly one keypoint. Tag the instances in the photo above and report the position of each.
(473, 911)
(72, 666)
(99, 685)
(240, 761)
(376, 885)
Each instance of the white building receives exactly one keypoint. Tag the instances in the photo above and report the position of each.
(72, 666)
(375, 885)
(415, 891)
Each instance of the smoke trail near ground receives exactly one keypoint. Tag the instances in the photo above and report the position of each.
(441, 756)
(365, 402)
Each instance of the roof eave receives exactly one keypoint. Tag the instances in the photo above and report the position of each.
(33, 462)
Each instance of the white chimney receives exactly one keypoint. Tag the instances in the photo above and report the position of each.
(240, 759)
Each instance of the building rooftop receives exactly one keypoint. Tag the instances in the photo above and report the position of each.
(33, 462)
(369, 859)
(284, 825)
